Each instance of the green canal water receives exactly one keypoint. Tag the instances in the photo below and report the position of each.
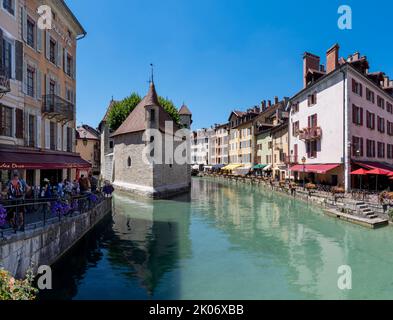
(224, 241)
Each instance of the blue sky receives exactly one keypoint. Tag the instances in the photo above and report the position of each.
(215, 55)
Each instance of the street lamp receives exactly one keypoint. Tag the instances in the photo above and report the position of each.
(304, 170)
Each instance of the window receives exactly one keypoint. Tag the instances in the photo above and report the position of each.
(7, 57)
(129, 163)
(69, 65)
(370, 96)
(52, 51)
(30, 81)
(295, 128)
(311, 147)
(357, 115)
(389, 107)
(312, 99)
(32, 130)
(357, 87)
(370, 120)
(381, 150)
(380, 102)
(30, 33)
(295, 107)
(381, 124)
(9, 5)
(70, 139)
(389, 151)
(370, 148)
(389, 128)
(5, 121)
(357, 147)
(152, 115)
(313, 121)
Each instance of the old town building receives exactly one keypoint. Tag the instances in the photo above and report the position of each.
(136, 170)
(341, 120)
(38, 115)
(88, 146)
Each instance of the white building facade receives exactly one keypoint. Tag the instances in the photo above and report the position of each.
(341, 120)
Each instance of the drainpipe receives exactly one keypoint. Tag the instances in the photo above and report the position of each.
(346, 146)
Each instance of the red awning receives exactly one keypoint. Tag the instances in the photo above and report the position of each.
(374, 165)
(26, 159)
(315, 168)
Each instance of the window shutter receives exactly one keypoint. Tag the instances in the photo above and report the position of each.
(59, 132)
(39, 39)
(361, 116)
(73, 69)
(65, 132)
(38, 131)
(24, 23)
(361, 147)
(47, 81)
(353, 85)
(1, 48)
(360, 89)
(24, 84)
(47, 134)
(19, 123)
(39, 84)
(59, 60)
(58, 89)
(26, 130)
(47, 44)
(316, 120)
(18, 60)
(309, 121)
(65, 60)
(1, 119)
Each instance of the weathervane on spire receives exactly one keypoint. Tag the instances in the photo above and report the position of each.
(152, 73)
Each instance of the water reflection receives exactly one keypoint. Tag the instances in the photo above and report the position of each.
(224, 241)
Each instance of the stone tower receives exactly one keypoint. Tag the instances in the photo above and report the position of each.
(185, 117)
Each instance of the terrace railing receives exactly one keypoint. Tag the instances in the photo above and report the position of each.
(53, 106)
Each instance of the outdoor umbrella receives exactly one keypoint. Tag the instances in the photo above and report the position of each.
(378, 172)
(360, 172)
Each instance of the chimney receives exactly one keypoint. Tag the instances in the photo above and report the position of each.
(275, 100)
(322, 68)
(310, 61)
(269, 103)
(264, 105)
(386, 81)
(332, 58)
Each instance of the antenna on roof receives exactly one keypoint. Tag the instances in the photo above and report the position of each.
(152, 73)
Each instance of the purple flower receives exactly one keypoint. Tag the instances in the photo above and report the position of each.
(93, 198)
(3, 216)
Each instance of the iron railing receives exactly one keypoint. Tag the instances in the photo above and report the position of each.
(313, 133)
(56, 107)
(29, 214)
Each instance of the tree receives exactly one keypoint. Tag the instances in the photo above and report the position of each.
(169, 107)
(121, 110)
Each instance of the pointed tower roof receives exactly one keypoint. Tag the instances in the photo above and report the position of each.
(136, 121)
(151, 98)
(185, 111)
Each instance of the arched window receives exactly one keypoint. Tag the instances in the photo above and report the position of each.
(129, 162)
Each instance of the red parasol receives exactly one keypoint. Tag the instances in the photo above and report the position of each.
(360, 172)
(379, 172)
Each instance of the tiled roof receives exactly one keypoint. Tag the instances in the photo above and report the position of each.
(185, 111)
(136, 121)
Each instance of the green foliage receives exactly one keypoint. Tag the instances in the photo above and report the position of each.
(123, 108)
(169, 107)
(13, 289)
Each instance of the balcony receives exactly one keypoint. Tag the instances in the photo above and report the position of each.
(55, 107)
(309, 134)
(5, 86)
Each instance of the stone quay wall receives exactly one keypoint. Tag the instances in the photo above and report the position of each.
(45, 245)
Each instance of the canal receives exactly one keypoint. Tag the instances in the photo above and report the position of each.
(224, 241)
